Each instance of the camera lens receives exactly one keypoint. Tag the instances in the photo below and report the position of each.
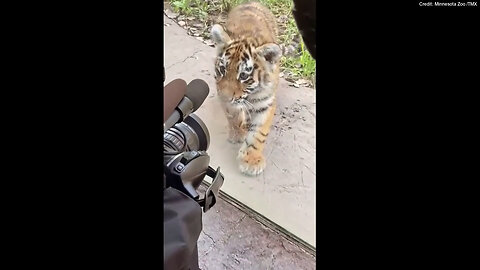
(189, 135)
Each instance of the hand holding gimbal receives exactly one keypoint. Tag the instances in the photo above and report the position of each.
(186, 140)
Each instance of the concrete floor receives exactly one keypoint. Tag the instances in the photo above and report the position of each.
(285, 192)
(232, 239)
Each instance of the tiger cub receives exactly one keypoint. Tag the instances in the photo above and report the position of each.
(246, 73)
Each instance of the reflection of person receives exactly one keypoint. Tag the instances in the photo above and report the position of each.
(305, 12)
(182, 226)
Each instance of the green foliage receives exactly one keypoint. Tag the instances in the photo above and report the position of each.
(300, 66)
(182, 6)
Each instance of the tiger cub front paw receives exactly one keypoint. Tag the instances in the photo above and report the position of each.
(251, 162)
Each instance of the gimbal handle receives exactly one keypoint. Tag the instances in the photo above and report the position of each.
(212, 193)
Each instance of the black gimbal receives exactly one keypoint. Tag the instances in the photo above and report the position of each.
(186, 140)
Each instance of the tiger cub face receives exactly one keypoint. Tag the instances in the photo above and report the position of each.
(243, 67)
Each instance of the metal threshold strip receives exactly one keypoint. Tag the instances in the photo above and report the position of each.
(265, 221)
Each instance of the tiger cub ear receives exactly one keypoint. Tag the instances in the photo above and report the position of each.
(271, 52)
(219, 36)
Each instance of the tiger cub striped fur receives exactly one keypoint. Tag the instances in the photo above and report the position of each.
(247, 73)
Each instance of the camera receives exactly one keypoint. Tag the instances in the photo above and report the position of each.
(189, 135)
(185, 156)
(185, 142)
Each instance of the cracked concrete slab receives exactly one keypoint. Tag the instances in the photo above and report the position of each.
(285, 192)
(233, 240)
